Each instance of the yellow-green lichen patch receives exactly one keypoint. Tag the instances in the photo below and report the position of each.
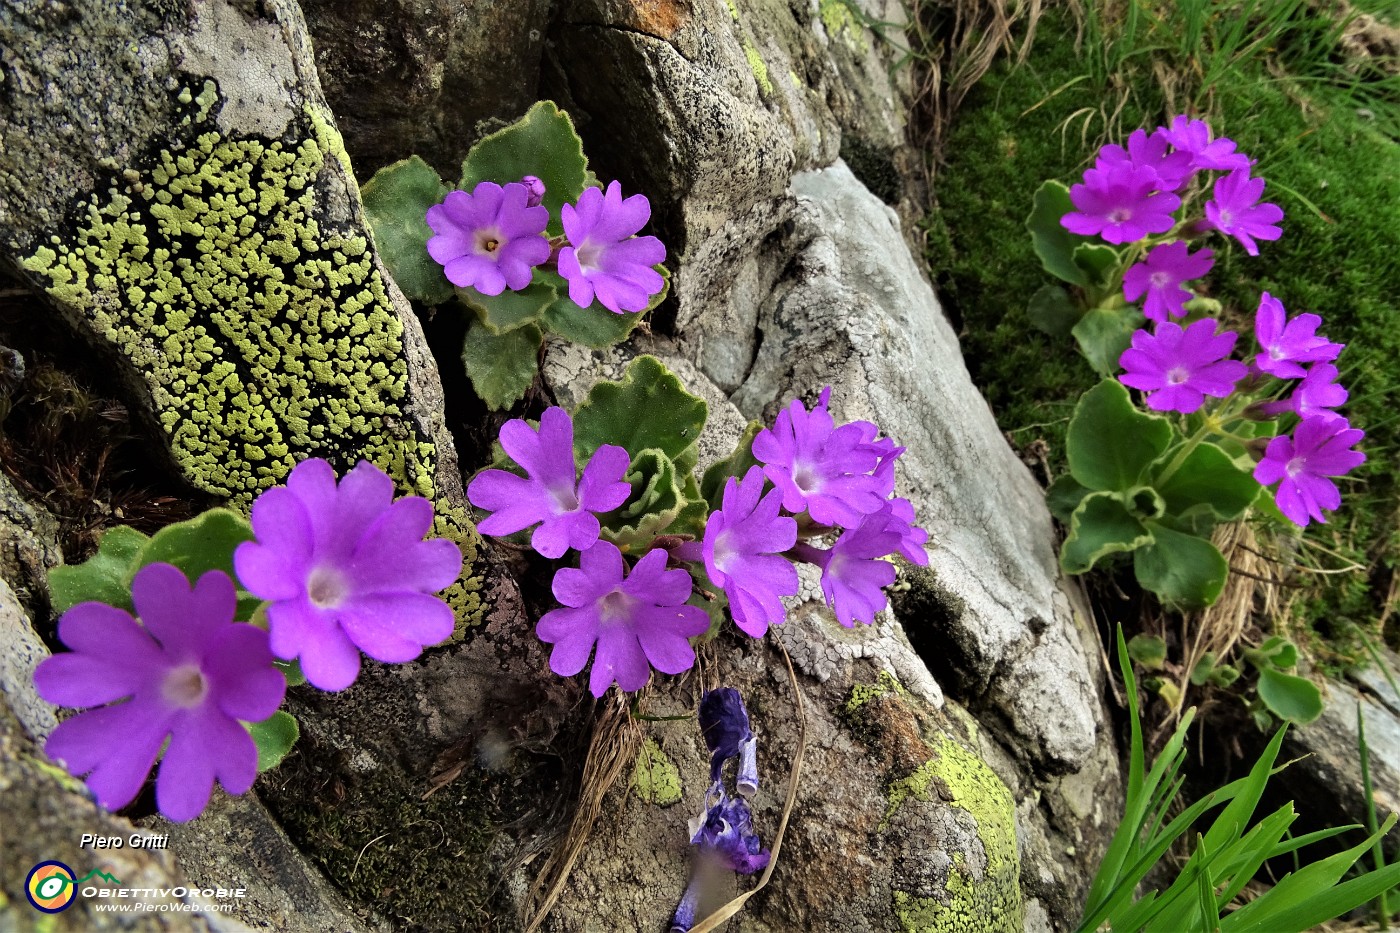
(841, 23)
(655, 778)
(884, 685)
(987, 904)
(759, 68)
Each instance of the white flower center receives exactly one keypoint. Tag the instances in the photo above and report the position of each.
(588, 254)
(1119, 214)
(1160, 279)
(488, 241)
(1177, 375)
(326, 587)
(804, 478)
(1225, 219)
(1295, 466)
(615, 607)
(185, 686)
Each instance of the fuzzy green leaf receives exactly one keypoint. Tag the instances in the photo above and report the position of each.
(274, 738)
(1289, 696)
(655, 502)
(649, 408)
(1100, 526)
(1208, 476)
(1098, 263)
(595, 326)
(502, 367)
(105, 577)
(199, 545)
(1110, 443)
(1053, 243)
(396, 200)
(542, 143)
(1053, 311)
(736, 465)
(509, 310)
(1104, 333)
(694, 512)
(1148, 651)
(1186, 572)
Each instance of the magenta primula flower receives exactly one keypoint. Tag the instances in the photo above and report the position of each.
(551, 492)
(1160, 276)
(1149, 151)
(1320, 448)
(1288, 344)
(1193, 137)
(185, 672)
(345, 569)
(1235, 211)
(827, 471)
(743, 546)
(604, 258)
(490, 239)
(854, 576)
(638, 621)
(1120, 202)
(1179, 368)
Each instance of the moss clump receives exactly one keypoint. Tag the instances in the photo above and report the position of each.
(991, 902)
(861, 694)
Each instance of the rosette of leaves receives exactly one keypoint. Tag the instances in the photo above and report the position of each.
(1136, 488)
(1092, 310)
(195, 546)
(505, 333)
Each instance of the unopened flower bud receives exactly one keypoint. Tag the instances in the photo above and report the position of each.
(536, 189)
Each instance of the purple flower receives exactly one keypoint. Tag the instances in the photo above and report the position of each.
(743, 545)
(345, 569)
(1287, 344)
(535, 187)
(1319, 448)
(1180, 367)
(1193, 137)
(853, 575)
(491, 239)
(822, 469)
(1160, 277)
(549, 493)
(724, 722)
(186, 672)
(1314, 397)
(725, 833)
(605, 259)
(1121, 203)
(1149, 152)
(638, 622)
(1235, 211)
(900, 519)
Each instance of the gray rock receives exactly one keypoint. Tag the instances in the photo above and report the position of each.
(22, 653)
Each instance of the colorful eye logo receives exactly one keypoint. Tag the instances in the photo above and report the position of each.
(50, 887)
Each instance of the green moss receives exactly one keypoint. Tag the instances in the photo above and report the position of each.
(420, 860)
(861, 694)
(759, 68)
(992, 902)
(655, 778)
(264, 336)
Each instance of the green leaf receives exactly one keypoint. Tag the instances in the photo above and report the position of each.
(649, 408)
(396, 200)
(1104, 333)
(502, 367)
(1098, 263)
(1110, 443)
(200, 544)
(655, 502)
(1186, 572)
(1144, 502)
(1208, 476)
(542, 143)
(1053, 311)
(596, 326)
(274, 738)
(105, 577)
(1148, 651)
(290, 670)
(736, 465)
(1288, 696)
(694, 511)
(510, 310)
(1101, 525)
(1053, 243)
